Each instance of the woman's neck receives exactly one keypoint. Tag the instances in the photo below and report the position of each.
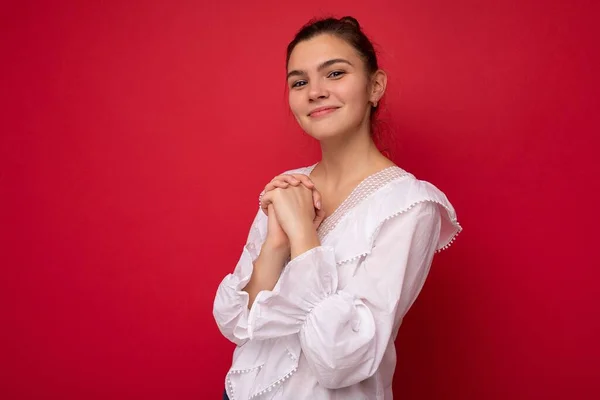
(350, 158)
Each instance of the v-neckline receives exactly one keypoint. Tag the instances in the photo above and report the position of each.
(387, 174)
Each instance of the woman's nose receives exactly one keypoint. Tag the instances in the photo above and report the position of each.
(317, 91)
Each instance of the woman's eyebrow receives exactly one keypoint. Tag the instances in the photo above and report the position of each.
(320, 67)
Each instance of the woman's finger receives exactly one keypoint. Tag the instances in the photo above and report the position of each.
(261, 203)
(295, 180)
(316, 199)
(319, 217)
(284, 177)
(305, 180)
(276, 184)
(266, 199)
(284, 181)
(316, 195)
(289, 178)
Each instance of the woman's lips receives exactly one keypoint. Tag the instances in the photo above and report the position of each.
(322, 111)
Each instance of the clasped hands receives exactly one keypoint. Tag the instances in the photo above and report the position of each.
(293, 206)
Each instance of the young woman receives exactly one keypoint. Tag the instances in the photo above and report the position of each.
(338, 250)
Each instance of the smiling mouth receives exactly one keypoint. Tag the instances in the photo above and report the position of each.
(322, 112)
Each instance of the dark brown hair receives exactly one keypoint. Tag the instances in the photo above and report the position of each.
(345, 28)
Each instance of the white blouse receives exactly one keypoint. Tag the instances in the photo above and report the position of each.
(327, 329)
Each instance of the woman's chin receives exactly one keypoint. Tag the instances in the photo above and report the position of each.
(325, 132)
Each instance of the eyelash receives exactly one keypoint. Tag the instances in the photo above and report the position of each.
(341, 73)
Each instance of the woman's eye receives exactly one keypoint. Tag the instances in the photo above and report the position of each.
(335, 74)
(298, 84)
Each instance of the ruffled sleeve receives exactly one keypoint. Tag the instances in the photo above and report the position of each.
(230, 308)
(344, 332)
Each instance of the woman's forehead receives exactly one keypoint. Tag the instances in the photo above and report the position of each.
(309, 54)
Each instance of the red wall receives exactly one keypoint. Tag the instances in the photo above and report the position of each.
(135, 139)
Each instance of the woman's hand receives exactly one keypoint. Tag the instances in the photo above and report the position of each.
(294, 209)
(286, 180)
(276, 238)
(295, 212)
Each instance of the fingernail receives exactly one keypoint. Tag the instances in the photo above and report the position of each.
(318, 205)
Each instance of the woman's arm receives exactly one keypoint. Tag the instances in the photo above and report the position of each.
(344, 332)
(258, 269)
(234, 294)
(267, 269)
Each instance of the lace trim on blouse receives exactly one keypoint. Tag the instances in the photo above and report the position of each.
(364, 189)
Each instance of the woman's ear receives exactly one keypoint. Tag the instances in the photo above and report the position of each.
(378, 85)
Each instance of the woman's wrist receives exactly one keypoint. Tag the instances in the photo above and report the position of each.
(276, 249)
(303, 241)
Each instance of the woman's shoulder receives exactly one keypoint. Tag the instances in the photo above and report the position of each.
(408, 191)
(384, 198)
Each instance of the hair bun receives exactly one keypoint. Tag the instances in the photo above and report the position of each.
(350, 20)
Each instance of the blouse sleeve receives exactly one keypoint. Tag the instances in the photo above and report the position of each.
(230, 307)
(344, 333)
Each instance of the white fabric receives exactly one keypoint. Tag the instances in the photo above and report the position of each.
(327, 329)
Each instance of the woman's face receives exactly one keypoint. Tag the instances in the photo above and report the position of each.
(328, 87)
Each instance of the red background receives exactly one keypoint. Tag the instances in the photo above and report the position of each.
(135, 138)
